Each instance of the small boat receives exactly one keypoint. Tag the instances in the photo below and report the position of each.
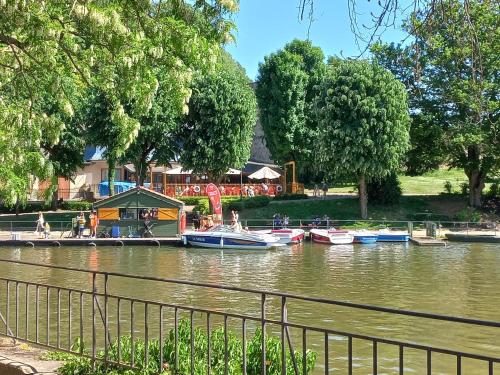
(331, 236)
(385, 235)
(364, 236)
(223, 237)
(286, 236)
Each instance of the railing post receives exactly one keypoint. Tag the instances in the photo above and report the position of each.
(283, 344)
(93, 319)
(106, 343)
(263, 327)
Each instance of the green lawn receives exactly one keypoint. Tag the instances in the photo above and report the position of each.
(431, 183)
(411, 207)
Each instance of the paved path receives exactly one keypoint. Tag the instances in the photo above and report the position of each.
(23, 359)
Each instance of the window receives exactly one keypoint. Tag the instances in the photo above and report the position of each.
(104, 174)
(128, 213)
(143, 212)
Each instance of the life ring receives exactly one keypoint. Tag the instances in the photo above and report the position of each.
(196, 189)
(279, 189)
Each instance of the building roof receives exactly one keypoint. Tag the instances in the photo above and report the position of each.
(142, 190)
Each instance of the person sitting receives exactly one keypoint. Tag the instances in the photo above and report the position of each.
(197, 220)
(46, 230)
(276, 221)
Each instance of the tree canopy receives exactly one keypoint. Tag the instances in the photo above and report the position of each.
(218, 131)
(362, 114)
(285, 90)
(61, 48)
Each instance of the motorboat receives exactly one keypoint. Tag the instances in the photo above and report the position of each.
(386, 235)
(286, 235)
(364, 236)
(331, 236)
(224, 237)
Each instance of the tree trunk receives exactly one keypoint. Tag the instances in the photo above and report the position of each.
(111, 175)
(363, 197)
(476, 186)
(55, 195)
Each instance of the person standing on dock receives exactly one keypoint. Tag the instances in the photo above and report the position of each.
(94, 222)
(46, 230)
(40, 227)
(81, 224)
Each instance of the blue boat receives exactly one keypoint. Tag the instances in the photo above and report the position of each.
(364, 237)
(393, 236)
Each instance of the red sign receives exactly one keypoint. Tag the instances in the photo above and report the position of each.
(214, 196)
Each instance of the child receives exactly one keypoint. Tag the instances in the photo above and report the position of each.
(40, 225)
(94, 222)
(81, 224)
(46, 230)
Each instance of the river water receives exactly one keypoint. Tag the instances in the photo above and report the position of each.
(460, 280)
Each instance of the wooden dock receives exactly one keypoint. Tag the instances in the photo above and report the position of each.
(158, 241)
(427, 241)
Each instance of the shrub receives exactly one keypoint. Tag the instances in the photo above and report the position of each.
(494, 191)
(448, 187)
(469, 214)
(385, 190)
(256, 202)
(464, 188)
(76, 365)
(203, 206)
(290, 197)
(191, 201)
(76, 205)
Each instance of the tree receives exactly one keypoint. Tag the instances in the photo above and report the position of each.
(217, 134)
(60, 48)
(460, 51)
(285, 90)
(158, 134)
(363, 120)
(428, 126)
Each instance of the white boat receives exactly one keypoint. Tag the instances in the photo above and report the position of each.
(331, 236)
(223, 237)
(286, 236)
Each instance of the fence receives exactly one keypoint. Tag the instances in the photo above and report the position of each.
(97, 314)
(62, 228)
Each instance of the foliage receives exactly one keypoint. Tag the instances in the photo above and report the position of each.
(77, 365)
(203, 206)
(285, 90)
(61, 48)
(76, 205)
(363, 116)
(290, 197)
(384, 190)
(469, 214)
(247, 203)
(218, 132)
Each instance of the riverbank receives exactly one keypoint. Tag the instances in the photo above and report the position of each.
(22, 359)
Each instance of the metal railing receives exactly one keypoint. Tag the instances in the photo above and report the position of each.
(58, 320)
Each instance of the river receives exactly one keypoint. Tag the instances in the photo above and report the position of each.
(460, 280)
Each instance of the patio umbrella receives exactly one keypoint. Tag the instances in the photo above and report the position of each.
(264, 172)
(233, 171)
(179, 170)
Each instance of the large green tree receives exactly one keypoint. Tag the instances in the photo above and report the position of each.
(363, 118)
(217, 134)
(459, 49)
(59, 48)
(285, 90)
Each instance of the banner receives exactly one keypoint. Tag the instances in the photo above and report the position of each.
(214, 196)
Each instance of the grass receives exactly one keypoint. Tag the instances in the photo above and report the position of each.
(430, 183)
(410, 207)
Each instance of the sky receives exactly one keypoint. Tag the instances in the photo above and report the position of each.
(264, 26)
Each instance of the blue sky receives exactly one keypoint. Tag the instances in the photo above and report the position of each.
(265, 26)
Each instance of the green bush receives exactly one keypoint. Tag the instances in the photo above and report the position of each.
(76, 205)
(191, 201)
(28, 207)
(290, 197)
(76, 365)
(385, 190)
(448, 187)
(257, 202)
(464, 188)
(469, 214)
(203, 206)
(494, 191)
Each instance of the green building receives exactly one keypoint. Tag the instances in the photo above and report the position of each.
(129, 212)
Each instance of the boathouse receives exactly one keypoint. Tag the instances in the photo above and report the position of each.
(130, 213)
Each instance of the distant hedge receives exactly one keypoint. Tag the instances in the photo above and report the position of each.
(76, 205)
(290, 197)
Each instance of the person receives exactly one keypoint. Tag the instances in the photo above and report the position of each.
(74, 226)
(46, 230)
(286, 220)
(40, 224)
(265, 188)
(326, 221)
(148, 225)
(325, 189)
(316, 191)
(245, 190)
(197, 220)
(251, 192)
(276, 220)
(81, 224)
(94, 222)
(235, 221)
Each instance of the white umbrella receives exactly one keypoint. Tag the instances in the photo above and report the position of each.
(264, 172)
(179, 170)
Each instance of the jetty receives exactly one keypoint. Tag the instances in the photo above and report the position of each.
(427, 241)
(124, 241)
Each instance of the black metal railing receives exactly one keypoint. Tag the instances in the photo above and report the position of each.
(59, 314)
